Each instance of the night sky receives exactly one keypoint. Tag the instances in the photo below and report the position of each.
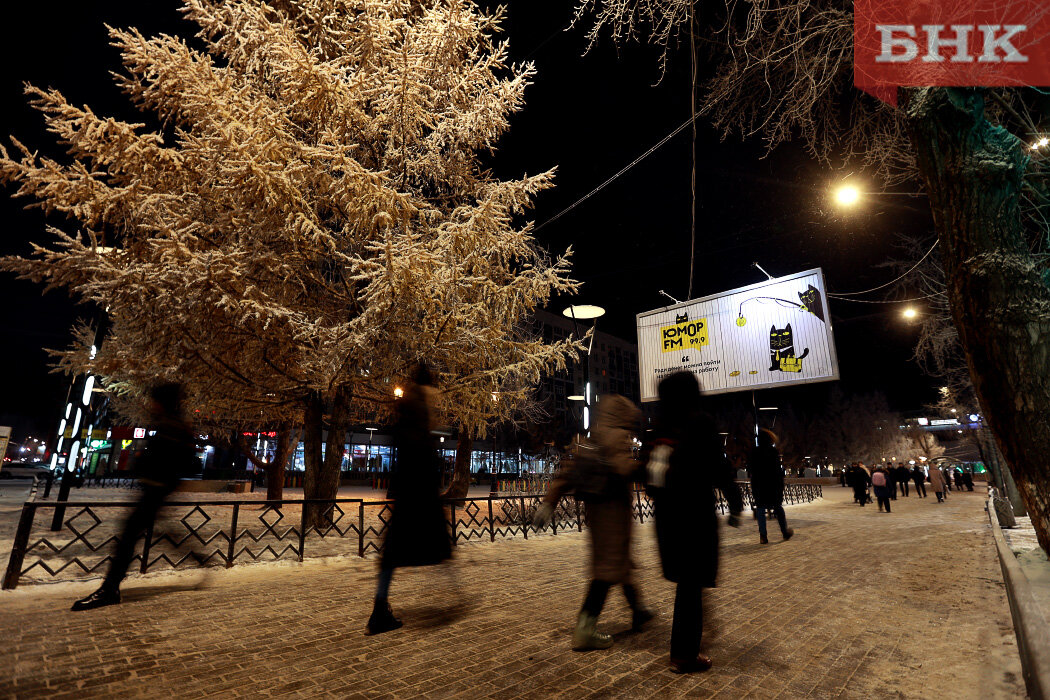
(590, 115)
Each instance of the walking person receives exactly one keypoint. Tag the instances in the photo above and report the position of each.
(919, 478)
(686, 464)
(937, 483)
(767, 484)
(880, 480)
(891, 481)
(859, 482)
(417, 532)
(610, 472)
(170, 454)
(903, 477)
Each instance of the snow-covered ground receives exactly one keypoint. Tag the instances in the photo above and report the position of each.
(1033, 560)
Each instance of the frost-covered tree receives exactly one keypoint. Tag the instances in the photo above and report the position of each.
(306, 217)
(783, 69)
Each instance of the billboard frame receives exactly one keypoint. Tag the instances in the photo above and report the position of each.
(748, 288)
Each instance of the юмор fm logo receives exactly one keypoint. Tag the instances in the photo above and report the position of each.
(912, 43)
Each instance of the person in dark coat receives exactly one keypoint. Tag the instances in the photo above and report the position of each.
(417, 533)
(859, 480)
(610, 517)
(767, 484)
(170, 455)
(883, 491)
(968, 479)
(919, 478)
(685, 466)
(903, 477)
(891, 481)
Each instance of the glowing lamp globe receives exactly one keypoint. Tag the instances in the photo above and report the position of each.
(847, 196)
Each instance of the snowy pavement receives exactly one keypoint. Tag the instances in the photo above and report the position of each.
(859, 604)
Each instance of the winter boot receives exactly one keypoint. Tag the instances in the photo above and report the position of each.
(787, 534)
(586, 636)
(763, 539)
(382, 619)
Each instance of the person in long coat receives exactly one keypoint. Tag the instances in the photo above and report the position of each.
(859, 481)
(417, 532)
(609, 518)
(767, 484)
(937, 483)
(685, 466)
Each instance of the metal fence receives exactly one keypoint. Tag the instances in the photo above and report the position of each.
(224, 533)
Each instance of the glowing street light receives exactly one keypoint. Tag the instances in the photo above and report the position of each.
(847, 195)
(398, 392)
(909, 313)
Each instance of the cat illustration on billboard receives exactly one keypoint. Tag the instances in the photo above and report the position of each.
(782, 351)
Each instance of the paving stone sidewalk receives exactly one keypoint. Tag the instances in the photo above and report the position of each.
(859, 604)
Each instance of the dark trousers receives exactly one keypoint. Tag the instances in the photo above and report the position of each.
(596, 594)
(940, 496)
(139, 521)
(904, 487)
(884, 501)
(778, 512)
(920, 488)
(860, 494)
(687, 628)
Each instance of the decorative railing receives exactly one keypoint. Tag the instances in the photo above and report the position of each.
(225, 532)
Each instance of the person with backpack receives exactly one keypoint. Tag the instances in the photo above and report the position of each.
(883, 488)
(767, 484)
(601, 475)
(686, 464)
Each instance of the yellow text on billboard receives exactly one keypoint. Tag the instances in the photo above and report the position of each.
(687, 334)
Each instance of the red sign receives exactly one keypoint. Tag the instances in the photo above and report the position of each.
(975, 43)
(265, 433)
(140, 433)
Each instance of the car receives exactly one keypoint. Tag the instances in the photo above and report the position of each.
(24, 470)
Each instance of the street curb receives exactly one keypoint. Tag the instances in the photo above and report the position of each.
(1033, 634)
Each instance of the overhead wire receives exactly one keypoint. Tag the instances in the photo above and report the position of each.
(841, 295)
(623, 170)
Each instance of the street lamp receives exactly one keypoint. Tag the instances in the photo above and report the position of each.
(847, 195)
(586, 312)
(368, 450)
(909, 313)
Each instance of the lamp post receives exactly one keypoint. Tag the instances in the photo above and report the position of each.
(586, 312)
(368, 450)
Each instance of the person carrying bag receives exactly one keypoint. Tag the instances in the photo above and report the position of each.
(601, 475)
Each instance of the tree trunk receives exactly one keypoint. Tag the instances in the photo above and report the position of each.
(461, 476)
(1001, 307)
(312, 429)
(322, 482)
(287, 439)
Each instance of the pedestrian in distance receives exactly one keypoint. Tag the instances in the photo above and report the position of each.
(881, 482)
(170, 454)
(903, 475)
(968, 479)
(417, 532)
(960, 480)
(937, 483)
(602, 474)
(686, 464)
(891, 480)
(859, 481)
(946, 474)
(767, 484)
(919, 478)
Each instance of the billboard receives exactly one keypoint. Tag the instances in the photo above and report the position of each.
(770, 334)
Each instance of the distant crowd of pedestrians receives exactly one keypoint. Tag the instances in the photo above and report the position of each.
(887, 481)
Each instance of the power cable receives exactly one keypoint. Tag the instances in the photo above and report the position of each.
(888, 301)
(602, 186)
(838, 295)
